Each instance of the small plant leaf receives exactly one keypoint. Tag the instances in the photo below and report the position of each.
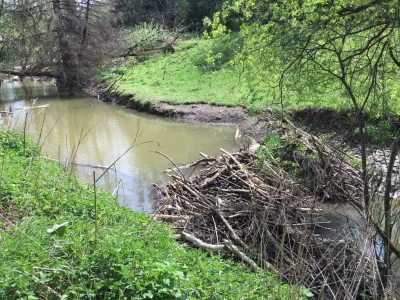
(58, 229)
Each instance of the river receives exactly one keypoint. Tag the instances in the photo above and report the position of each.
(84, 130)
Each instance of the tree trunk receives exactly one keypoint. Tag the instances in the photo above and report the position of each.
(387, 205)
(69, 73)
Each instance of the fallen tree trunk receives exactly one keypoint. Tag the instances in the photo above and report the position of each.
(83, 165)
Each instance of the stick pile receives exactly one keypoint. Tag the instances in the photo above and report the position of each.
(256, 211)
(323, 170)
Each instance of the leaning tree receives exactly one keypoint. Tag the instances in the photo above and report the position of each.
(65, 39)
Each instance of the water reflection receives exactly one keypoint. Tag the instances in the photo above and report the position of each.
(86, 131)
(26, 90)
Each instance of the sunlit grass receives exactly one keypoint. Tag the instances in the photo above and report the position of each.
(203, 70)
(181, 78)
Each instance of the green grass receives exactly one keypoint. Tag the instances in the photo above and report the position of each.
(205, 70)
(191, 74)
(133, 257)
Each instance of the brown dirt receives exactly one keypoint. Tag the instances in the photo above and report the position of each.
(251, 128)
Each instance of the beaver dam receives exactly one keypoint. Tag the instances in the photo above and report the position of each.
(264, 212)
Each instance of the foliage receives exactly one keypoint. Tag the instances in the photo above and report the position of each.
(19, 23)
(168, 13)
(70, 38)
(144, 36)
(271, 145)
(130, 256)
(313, 49)
(341, 48)
(287, 152)
(380, 133)
(218, 70)
(206, 70)
(353, 160)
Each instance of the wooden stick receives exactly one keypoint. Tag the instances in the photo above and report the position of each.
(205, 155)
(172, 162)
(190, 165)
(169, 217)
(208, 181)
(239, 191)
(199, 243)
(230, 229)
(31, 107)
(96, 224)
(247, 259)
(83, 165)
(234, 159)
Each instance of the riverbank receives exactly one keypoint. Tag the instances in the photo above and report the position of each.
(59, 239)
(202, 82)
(252, 127)
(196, 83)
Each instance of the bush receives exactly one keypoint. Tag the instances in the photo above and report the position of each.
(144, 36)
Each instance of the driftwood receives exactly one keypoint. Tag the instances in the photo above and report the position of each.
(199, 243)
(28, 73)
(193, 164)
(169, 217)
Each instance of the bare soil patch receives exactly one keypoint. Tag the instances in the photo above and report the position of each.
(251, 128)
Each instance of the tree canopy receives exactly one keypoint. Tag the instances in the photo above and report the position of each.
(319, 47)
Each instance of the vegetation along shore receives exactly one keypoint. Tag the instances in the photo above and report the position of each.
(303, 205)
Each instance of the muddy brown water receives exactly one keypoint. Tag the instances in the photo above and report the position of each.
(84, 130)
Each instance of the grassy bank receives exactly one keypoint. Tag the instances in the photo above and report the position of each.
(186, 76)
(128, 256)
(215, 71)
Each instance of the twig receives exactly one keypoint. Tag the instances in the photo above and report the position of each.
(230, 229)
(246, 259)
(31, 107)
(96, 225)
(176, 167)
(169, 217)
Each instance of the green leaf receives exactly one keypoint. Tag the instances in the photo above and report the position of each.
(58, 229)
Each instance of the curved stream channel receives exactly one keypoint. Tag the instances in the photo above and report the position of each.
(86, 131)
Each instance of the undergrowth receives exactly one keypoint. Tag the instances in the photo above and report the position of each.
(129, 256)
